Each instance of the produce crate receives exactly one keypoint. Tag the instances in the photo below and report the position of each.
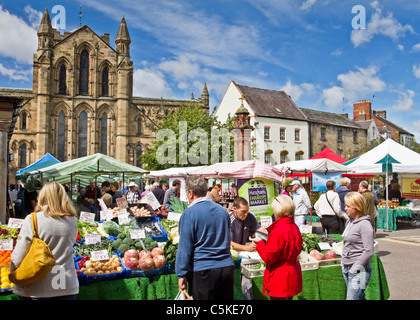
(237, 262)
(164, 236)
(307, 262)
(8, 289)
(85, 279)
(249, 271)
(338, 247)
(139, 273)
(330, 262)
(142, 205)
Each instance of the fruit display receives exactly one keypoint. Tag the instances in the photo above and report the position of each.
(9, 233)
(4, 279)
(5, 257)
(103, 267)
(144, 260)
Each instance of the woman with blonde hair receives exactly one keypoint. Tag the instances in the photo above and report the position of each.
(357, 247)
(283, 274)
(57, 227)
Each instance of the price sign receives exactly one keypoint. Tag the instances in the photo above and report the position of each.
(6, 244)
(173, 216)
(152, 201)
(121, 203)
(266, 221)
(106, 215)
(87, 217)
(99, 255)
(137, 234)
(305, 229)
(92, 238)
(123, 217)
(324, 246)
(15, 223)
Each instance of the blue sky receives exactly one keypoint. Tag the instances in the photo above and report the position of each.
(308, 48)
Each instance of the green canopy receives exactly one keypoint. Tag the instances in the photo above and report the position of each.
(90, 168)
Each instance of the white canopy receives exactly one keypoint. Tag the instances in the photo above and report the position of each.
(398, 158)
(313, 165)
(173, 172)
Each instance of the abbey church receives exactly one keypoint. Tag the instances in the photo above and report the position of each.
(82, 100)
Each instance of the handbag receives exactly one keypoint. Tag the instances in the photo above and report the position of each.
(37, 263)
(341, 222)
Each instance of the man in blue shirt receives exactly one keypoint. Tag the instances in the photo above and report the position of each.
(204, 261)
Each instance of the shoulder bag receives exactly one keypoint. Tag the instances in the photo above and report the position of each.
(341, 222)
(37, 263)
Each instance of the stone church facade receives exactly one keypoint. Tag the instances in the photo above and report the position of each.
(82, 100)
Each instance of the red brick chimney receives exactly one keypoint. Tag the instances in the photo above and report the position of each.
(362, 110)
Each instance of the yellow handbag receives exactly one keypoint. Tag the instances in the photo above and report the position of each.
(37, 263)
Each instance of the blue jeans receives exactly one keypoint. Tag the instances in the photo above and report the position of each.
(357, 282)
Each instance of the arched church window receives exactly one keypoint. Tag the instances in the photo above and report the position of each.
(61, 136)
(105, 82)
(22, 156)
(138, 127)
(82, 151)
(104, 135)
(24, 119)
(84, 73)
(62, 87)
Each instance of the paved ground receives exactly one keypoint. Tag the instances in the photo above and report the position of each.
(399, 251)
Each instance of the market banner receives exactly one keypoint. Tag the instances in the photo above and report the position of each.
(259, 193)
(319, 180)
(411, 188)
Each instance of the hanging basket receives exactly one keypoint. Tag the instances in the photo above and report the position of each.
(299, 153)
(284, 152)
(269, 151)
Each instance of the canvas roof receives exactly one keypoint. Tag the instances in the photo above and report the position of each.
(46, 161)
(313, 165)
(329, 154)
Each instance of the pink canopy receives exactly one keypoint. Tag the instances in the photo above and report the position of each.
(241, 170)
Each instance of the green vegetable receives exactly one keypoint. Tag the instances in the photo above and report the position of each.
(310, 242)
(116, 244)
(123, 248)
(82, 249)
(177, 205)
(111, 228)
(170, 250)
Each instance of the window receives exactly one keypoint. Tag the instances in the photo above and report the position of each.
(323, 131)
(282, 134)
(105, 84)
(283, 156)
(299, 155)
(22, 156)
(266, 133)
(340, 152)
(61, 136)
(104, 133)
(267, 158)
(24, 118)
(62, 87)
(297, 135)
(354, 136)
(84, 73)
(340, 135)
(138, 127)
(82, 151)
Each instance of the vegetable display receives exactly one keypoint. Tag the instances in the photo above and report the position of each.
(177, 205)
(83, 249)
(310, 242)
(91, 268)
(170, 250)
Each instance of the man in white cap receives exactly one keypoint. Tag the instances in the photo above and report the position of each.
(302, 202)
(132, 195)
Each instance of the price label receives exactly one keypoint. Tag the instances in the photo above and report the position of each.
(106, 215)
(87, 217)
(305, 229)
(173, 216)
(137, 234)
(6, 244)
(15, 223)
(121, 203)
(266, 221)
(324, 246)
(99, 255)
(152, 201)
(92, 238)
(123, 217)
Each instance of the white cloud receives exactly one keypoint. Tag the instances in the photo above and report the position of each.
(400, 47)
(380, 24)
(34, 16)
(337, 52)
(296, 91)
(149, 83)
(15, 74)
(416, 71)
(354, 85)
(11, 43)
(416, 47)
(307, 4)
(182, 68)
(405, 101)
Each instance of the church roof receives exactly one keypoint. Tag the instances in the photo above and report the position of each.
(123, 31)
(45, 25)
(271, 103)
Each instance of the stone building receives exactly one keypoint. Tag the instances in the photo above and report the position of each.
(82, 100)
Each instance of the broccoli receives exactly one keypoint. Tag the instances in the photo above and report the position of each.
(116, 244)
(147, 240)
(123, 248)
(138, 245)
(128, 241)
(121, 235)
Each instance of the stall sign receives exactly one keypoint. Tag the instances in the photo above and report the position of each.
(319, 180)
(259, 193)
(411, 188)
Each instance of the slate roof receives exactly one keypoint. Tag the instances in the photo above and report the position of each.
(271, 103)
(393, 125)
(329, 118)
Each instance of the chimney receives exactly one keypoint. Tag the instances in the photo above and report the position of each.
(381, 113)
(362, 110)
(105, 37)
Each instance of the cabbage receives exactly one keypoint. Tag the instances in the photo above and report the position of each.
(111, 227)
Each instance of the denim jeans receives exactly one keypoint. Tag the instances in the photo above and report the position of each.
(357, 282)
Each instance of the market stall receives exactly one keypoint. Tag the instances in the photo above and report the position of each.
(46, 161)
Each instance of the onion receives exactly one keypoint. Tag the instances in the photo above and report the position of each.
(159, 261)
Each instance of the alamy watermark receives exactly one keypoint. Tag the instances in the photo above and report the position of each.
(359, 20)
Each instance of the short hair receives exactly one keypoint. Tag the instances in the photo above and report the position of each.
(106, 184)
(396, 186)
(356, 201)
(364, 184)
(345, 181)
(238, 201)
(175, 182)
(197, 185)
(156, 184)
(147, 187)
(107, 196)
(115, 184)
(330, 185)
(283, 206)
(54, 201)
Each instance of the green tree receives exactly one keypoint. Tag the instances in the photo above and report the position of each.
(189, 136)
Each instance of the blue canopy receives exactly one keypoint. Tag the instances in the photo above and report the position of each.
(45, 161)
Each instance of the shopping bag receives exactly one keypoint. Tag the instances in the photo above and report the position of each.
(183, 295)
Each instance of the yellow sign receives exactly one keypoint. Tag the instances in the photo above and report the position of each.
(411, 188)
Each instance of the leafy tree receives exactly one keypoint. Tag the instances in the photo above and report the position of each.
(189, 136)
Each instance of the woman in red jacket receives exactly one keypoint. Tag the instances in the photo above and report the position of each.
(283, 274)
